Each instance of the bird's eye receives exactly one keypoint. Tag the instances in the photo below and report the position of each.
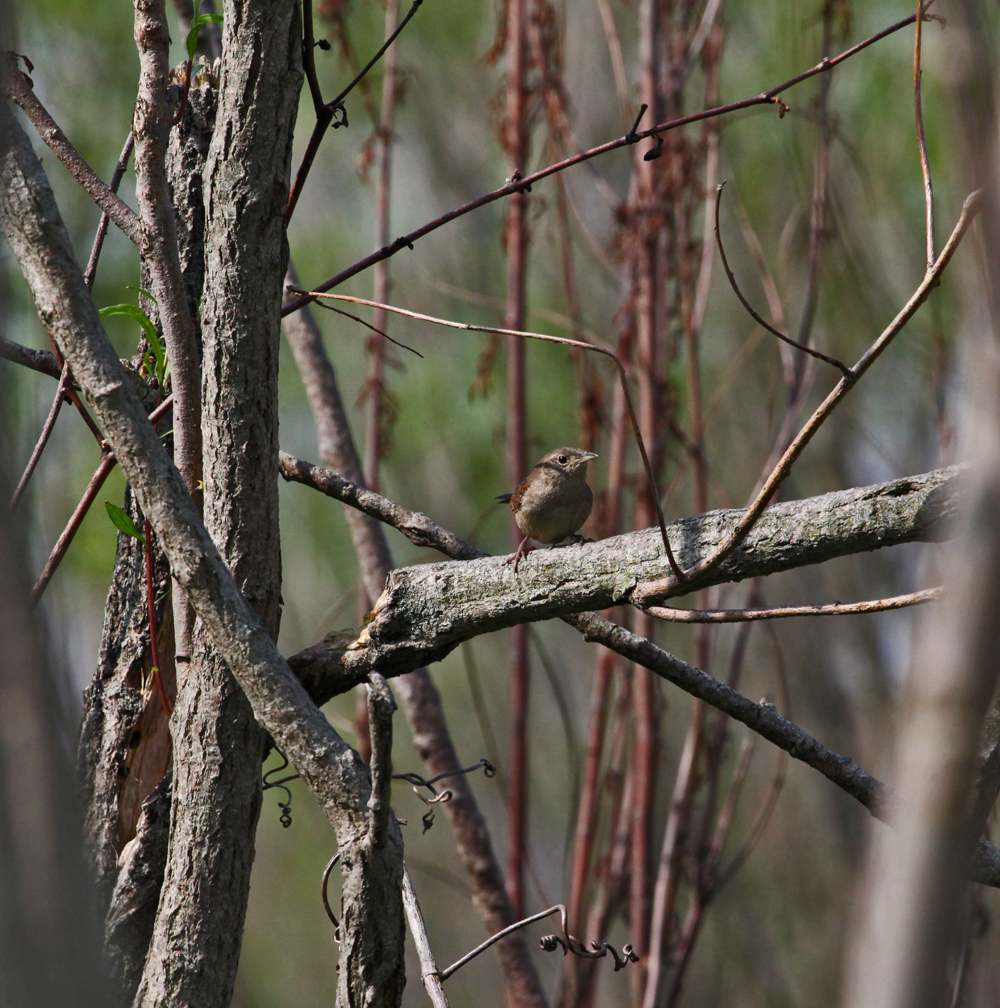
(562, 460)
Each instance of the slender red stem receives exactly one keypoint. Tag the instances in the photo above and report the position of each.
(147, 552)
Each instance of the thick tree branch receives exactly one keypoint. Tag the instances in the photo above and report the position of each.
(428, 610)
(321, 665)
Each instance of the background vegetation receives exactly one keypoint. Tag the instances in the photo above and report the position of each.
(774, 934)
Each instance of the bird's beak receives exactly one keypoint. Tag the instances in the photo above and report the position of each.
(584, 458)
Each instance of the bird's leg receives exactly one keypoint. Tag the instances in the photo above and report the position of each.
(521, 552)
(574, 540)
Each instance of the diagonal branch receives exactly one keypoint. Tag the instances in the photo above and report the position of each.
(42, 361)
(840, 365)
(525, 183)
(333, 771)
(427, 610)
(16, 87)
(664, 587)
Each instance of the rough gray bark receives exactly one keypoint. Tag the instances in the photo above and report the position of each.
(427, 610)
(121, 723)
(113, 704)
(129, 922)
(373, 919)
(420, 698)
(194, 950)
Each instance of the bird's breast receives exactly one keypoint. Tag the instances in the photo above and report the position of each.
(550, 514)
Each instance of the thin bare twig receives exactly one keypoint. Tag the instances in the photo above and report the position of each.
(368, 325)
(925, 165)
(16, 85)
(325, 114)
(520, 184)
(429, 975)
(64, 379)
(834, 609)
(549, 943)
(646, 593)
(840, 365)
(62, 544)
(549, 339)
(96, 482)
(102, 228)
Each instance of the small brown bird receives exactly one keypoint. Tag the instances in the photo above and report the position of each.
(553, 500)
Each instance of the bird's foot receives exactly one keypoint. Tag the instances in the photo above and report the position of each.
(574, 540)
(522, 551)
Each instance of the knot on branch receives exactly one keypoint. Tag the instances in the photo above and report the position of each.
(782, 107)
(515, 179)
(338, 113)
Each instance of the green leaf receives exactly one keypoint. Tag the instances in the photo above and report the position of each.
(197, 21)
(122, 521)
(142, 291)
(192, 42)
(157, 364)
(133, 312)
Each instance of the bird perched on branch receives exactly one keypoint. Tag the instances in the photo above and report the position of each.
(553, 500)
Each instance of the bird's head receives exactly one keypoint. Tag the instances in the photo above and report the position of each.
(567, 460)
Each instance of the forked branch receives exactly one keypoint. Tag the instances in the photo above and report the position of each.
(651, 591)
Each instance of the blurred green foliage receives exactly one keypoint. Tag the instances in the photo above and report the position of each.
(773, 937)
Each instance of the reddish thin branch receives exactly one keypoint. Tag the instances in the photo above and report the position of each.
(102, 227)
(65, 378)
(43, 439)
(514, 140)
(96, 482)
(519, 185)
(62, 544)
(377, 402)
